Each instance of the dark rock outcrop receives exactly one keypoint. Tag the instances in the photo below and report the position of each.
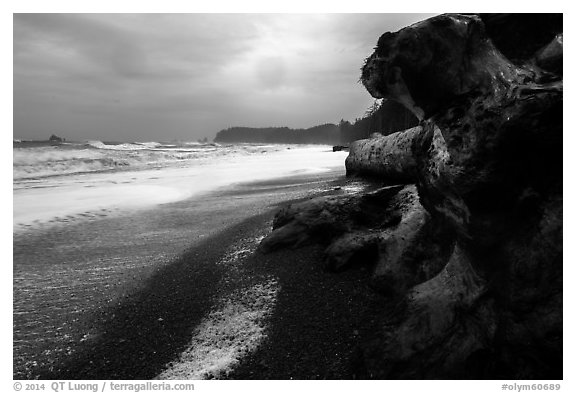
(474, 258)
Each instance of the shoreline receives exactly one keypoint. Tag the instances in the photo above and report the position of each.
(74, 197)
(142, 282)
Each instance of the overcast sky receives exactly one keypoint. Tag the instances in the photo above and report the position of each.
(145, 77)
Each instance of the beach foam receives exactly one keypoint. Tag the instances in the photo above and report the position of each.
(42, 201)
(226, 335)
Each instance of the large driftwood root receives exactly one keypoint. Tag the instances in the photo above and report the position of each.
(473, 250)
(489, 163)
(435, 338)
(321, 220)
(387, 230)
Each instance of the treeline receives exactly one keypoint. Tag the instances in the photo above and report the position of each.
(324, 134)
(385, 117)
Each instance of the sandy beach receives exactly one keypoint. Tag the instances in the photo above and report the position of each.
(179, 291)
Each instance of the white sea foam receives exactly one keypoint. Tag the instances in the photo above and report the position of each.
(123, 146)
(49, 161)
(53, 183)
(96, 156)
(227, 334)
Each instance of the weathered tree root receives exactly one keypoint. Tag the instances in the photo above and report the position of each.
(476, 251)
(387, 230)
(475, 155)
(435, 338)
(323, 219)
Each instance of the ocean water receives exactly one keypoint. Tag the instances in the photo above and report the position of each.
(55, 185)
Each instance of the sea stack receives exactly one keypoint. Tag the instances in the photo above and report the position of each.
(56, 139)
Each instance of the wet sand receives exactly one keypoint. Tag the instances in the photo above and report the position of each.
(179, 291)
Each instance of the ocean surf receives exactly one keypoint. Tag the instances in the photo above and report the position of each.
(68, 182)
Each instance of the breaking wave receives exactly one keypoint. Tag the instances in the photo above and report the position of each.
(97, 156)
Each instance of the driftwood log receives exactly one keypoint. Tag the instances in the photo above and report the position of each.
(388, 157)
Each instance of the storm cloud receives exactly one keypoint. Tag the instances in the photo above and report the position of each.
(139, 77)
